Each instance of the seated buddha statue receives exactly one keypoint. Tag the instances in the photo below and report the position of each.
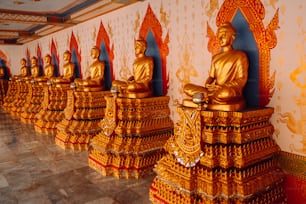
(34, 70)
(23, 70)
(228, 75)
(68, 71)
(139, 84)
(48, 70)
(94, 75)
(34, 67)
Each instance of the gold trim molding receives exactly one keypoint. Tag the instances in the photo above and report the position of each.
(293, 164)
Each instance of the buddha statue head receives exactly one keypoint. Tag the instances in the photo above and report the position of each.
(140, 46)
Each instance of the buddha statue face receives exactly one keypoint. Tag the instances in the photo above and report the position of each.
(23, 62)
(67, 56)
(47, 59)
(140, 46)
(34, 61)
(95, 52)
(226, 34)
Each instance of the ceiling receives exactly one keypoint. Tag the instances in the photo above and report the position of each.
(22, 21)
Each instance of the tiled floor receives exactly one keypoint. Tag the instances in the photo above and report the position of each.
(35, 170)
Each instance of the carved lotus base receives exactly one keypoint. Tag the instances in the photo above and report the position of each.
(132, 137)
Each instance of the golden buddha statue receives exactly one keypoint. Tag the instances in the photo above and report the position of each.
(49, 70)
(94, 75)
(227, 76)
(34, 70)
(68, 74)
(23, 70)
(34, 67)
(138, 85)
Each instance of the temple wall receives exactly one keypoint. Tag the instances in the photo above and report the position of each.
(188, 59)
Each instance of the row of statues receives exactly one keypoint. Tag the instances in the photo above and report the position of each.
(204, 158)
(94, 75)
(223, 89)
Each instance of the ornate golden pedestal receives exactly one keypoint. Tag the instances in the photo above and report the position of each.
(3, 90)
(33, 102)
(17, 105)
(11, 95)
(83, 113)
(220, 157)
(52, 109)
(132, 137)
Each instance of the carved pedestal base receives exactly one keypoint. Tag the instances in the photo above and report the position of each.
(33, 103)
(220, 157)
(20, 100)
(11, 95)
(3, 90)
(83, 113)
(52, 109)
(132, 137)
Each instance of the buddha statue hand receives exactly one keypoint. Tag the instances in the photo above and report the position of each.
(200, 97)
(49, 83)
(114, 90)
(131, 79)
(73, 85)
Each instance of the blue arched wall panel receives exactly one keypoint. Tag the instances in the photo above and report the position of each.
(245, 41)
(153, 51)
(107, 70)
